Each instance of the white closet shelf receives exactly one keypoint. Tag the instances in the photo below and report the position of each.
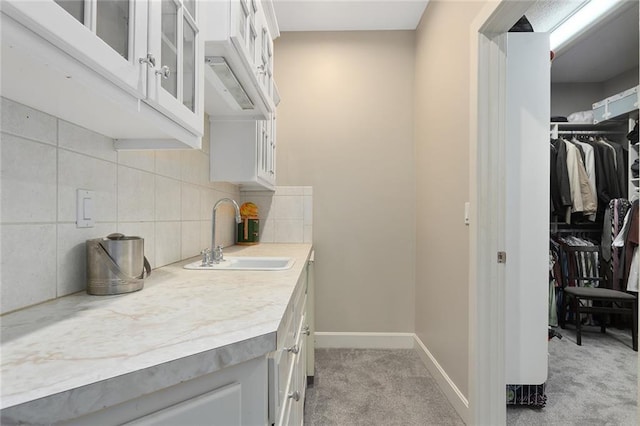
(616, 105)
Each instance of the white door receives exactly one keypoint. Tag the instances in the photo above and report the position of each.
(527, 207)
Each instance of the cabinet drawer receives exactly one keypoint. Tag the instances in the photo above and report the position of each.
(287, 359)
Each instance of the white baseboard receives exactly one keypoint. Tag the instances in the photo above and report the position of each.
(364, 340)
(451, 391)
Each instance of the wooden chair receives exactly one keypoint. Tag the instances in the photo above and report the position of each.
(585, 292)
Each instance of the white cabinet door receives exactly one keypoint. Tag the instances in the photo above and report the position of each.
(267, 151)
(221, 407)
(174, 43)
(108, 36)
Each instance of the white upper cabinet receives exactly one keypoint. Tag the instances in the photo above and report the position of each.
(238, 48)
(243, 152)
(105, 35)
(175, 83)
(129, 69)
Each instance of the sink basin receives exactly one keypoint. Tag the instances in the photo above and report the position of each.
(231, 263)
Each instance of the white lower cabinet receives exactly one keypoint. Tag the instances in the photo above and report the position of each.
(235, 395)
(288, 364)
(219, 407)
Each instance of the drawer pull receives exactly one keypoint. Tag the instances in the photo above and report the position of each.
(293, 349)
(306, 330)
(294, 395)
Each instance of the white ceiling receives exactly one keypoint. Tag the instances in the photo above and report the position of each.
(348, 15)
(607, 49)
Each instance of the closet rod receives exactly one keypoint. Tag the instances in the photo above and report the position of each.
(589, 132)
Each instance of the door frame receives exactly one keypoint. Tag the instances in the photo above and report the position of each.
(487, 403)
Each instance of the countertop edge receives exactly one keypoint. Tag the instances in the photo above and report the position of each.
(107, 393)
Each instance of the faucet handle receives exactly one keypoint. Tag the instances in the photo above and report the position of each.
(218, 256)
(206, 257)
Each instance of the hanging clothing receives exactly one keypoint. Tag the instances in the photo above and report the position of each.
(613, 237)
(590, 166)
(562, 174)
(622, 165)
(632, 240)
(606, 175)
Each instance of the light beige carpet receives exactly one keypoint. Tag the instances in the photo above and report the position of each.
(375, 387)
(593, 384)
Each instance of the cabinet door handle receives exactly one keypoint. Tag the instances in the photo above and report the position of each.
(165, 72)
(293, 349)
(306, 330)
(149, 60)
(294, 395)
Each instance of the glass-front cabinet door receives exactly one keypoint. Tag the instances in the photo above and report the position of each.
(109, 36)
(175, 45)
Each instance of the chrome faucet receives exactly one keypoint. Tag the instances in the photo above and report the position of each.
(215, 253)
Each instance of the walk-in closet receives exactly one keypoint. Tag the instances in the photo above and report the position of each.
(590, 355)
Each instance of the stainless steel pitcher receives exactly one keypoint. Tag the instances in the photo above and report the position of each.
(116, 264)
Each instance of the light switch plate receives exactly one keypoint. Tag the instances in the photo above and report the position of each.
(467, 206)
(84, 209)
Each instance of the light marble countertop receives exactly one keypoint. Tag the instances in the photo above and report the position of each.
(80, 352)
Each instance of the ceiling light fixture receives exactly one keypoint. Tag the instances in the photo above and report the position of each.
(577, 23)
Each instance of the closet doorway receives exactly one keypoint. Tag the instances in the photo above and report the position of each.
(487, 290)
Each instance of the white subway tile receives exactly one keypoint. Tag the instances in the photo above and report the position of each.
(289, 231)
(168, 163)
(28, 180)
(190, 202)
(288, 207)
(28, 265)
(168, 198)
(289, 190)
(267, 231)
(205, 234)
(77, 171)
(203, 168)
(136, 195)
(72, 255)
(208, 198)
(308, 209)
(143, 160)
(191, 164)
(191, 245)
(85, 141)
(168, 241)
(225, 225)
(23, 121)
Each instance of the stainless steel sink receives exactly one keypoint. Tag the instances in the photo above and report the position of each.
(231, 263)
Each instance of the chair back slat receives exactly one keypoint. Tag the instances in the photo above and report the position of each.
(583, 266)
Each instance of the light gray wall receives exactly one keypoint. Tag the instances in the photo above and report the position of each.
(441, 126)
(164, 197)
(345, 128)
(567, 98)
(622, 82)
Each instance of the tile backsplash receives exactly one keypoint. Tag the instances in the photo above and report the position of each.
(164, 197)
(286, 216)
